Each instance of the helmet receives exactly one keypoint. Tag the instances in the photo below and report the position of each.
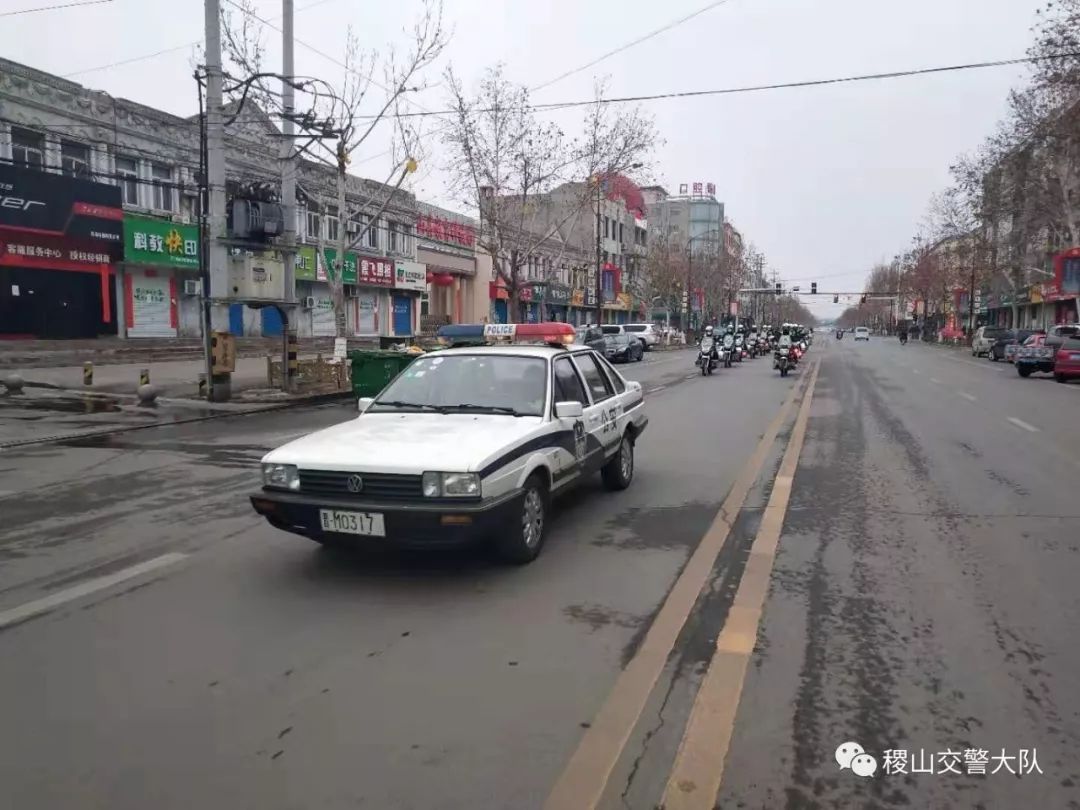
(708, 330)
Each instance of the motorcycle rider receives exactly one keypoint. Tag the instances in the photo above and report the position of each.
(783, 345)
(710, 334)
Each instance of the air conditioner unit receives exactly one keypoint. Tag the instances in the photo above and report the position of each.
(192, 286)
(309, 302)
(352, 227)
(179, 219)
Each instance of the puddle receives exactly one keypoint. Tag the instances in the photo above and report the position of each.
(82, 405)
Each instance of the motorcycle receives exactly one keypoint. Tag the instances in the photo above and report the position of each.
(839, 334)
(728, 350)
(903, 338)
(785, 360)
(740, 350)
(707, 356)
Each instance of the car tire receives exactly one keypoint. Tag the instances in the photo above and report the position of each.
(618, 473)
(1061, 378)
(521, 541)
(1022, 371)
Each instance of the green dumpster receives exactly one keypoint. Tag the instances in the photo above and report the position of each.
(373, 370)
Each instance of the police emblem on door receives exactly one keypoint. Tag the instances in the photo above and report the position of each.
(579, 440)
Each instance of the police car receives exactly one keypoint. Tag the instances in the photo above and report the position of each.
(469, 442)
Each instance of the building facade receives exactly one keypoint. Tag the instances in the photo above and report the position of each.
(72, 142)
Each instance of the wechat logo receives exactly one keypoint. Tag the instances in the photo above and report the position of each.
(851, 755)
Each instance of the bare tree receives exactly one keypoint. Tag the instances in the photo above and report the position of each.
(336, 129)
(504, 159)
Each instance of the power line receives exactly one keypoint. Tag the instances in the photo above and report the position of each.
(631, 44)
(54, 8)
(897, 74)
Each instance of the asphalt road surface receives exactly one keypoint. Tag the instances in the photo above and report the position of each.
(880, 549)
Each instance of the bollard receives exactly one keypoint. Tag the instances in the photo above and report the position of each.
(87, 373)
(202, 386)
(294, 363)
(14, 383)
(144, 376)
(147, 394)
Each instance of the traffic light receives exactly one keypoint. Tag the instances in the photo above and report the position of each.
(836, 299)
(779, 288)
(813, 288)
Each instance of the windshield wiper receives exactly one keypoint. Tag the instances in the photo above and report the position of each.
(469, 406)
(397, 403)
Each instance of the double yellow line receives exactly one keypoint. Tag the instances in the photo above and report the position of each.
(695, 777)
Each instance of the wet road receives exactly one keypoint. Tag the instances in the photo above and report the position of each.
(921, 594)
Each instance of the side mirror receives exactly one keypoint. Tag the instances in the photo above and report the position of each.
(633, 385)
(569, 410)
(364, 403)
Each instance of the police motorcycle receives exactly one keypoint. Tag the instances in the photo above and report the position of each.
(839, 334)
(752, 345)
(739, 351)
(708, 357)
(786, 355)
(727, 348)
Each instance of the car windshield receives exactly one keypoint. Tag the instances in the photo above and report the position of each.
(635, 327)
(469, 383)
(612, 330)
(617, 340)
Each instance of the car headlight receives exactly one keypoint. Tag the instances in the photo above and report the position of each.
(451, 485)
(281, 476)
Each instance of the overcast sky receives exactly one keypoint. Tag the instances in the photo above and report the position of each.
(826, 181)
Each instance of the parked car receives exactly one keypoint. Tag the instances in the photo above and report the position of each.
(1004, 348)
(1067, 359)
(590, 336)
(1034, 355)
(984, 340)
(1057, 335)
(645, 332)
(612, 328)
(623, 348)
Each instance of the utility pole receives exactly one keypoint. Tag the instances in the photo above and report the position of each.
(599, 290)
(689, 289)
(288, 185)
(219, 384)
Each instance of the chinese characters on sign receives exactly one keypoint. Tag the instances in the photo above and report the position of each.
(149, 295)
(158, 242)
(682, 188)
(710, 188)
(445, 230)
(960, 761)
(699, 189)
(16, 249)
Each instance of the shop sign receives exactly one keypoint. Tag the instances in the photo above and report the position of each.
(558, 294)
(577, 298)
(61, 207)
(410, 275)
(525, 293)
(1035, 294)
(357, 269)
(51, 253)
(154, 241)
(305, 263)
(445, 230)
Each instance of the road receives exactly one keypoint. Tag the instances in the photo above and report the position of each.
(880, 549)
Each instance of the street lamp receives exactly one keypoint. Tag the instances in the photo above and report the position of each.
(599, 290)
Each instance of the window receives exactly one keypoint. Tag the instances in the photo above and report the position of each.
(392, 236)
(404, 235)
(607, 228)
(595, 379)
(372, 238)
(74, 158)
(27, 147)
(127, 170)
(163, 192)
(568, 387)
(620, 232)
(313, 225)
(331, 225)
(613, 375)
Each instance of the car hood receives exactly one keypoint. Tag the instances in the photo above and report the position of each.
(406, 442)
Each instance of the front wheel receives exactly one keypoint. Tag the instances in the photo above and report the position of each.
(619, 472)
(1061, 378)
(1023, 371)
(522, 539)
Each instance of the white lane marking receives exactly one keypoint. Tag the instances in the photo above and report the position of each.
(47, 603)
(1020, 423)
(935, 380)
(966, 396)
(654, 390)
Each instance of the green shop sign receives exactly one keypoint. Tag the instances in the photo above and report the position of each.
(358, 269)
(155, 241)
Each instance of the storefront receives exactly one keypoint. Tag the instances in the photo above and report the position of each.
(59, 240)
(160, 278)
(410, 284)
(499, 302)
(555, 302)
(582, 309)
(368, 282)
(446, 247)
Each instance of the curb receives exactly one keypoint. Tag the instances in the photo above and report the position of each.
(315, 399)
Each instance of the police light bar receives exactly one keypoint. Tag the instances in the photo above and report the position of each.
(561, 334)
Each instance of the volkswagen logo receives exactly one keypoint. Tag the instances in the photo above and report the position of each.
(355, 483)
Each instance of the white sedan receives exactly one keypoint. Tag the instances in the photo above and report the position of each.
(465, 444)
